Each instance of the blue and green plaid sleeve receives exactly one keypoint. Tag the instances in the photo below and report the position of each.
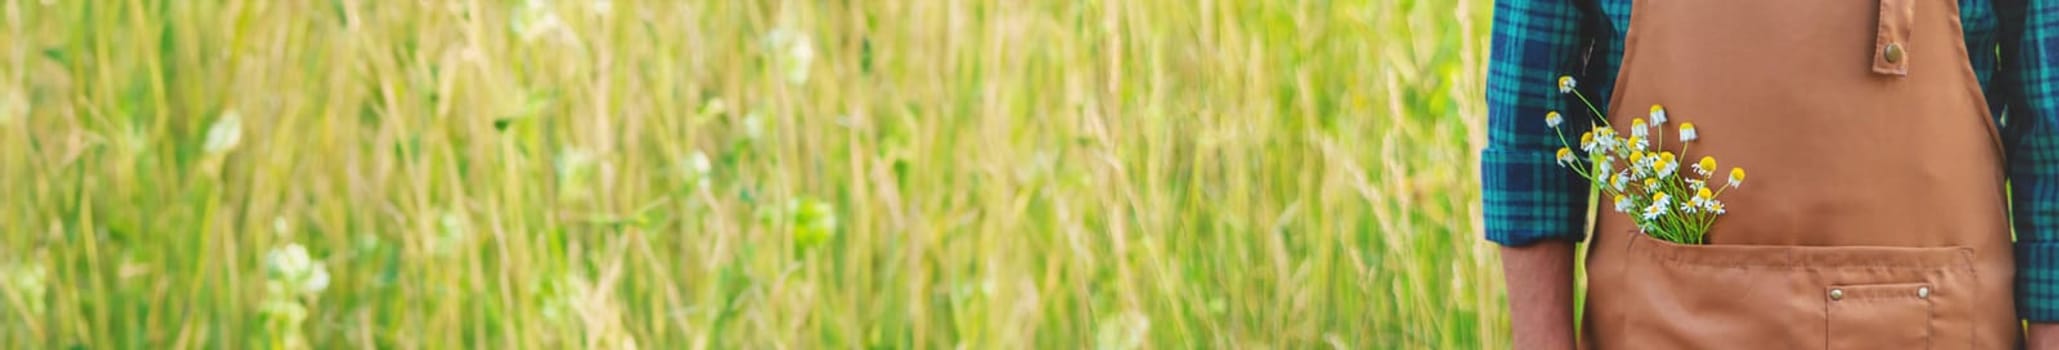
(2029, 83)
(1526, 196)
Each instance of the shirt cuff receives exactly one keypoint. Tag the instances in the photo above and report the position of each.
(2037, 281)
(1528, 197)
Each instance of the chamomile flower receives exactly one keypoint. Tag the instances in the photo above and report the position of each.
(1687, 133)
(1736, 176)
(1666, 165)
(1605, 139)
(1714, 206)
(1701, 197)
(1623, 204)
(1705, 167)
(1619, 181)
(1651, 185)
(1659, 206)
(1587, 142)
(1565, 156)
(1638, 129)
(1566, 84)
(1605, 166)
(1553, 119)
(1639, 166)
(1658, 115)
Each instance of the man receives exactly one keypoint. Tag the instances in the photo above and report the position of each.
(1879, 134)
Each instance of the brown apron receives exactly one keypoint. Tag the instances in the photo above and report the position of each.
(1874, 214)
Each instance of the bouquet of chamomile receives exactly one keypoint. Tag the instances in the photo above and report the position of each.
(1642, 181)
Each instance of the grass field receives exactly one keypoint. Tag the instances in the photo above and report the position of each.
(755, 174)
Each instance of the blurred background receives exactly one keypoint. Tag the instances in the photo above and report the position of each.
(750, 174)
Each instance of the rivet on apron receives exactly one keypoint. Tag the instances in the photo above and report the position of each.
(1837, 294)
(1923, 292)
(1893, 53)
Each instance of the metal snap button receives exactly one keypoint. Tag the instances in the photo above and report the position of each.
(1923, 292)
(1893, 53)
(1837, 294)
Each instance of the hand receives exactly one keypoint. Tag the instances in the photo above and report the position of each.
(1540, 284)
(2043, 336)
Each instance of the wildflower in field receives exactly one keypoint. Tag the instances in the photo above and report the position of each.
(1553, 119)
(575, 169)
(1658, 115)
(451, 235)
(754, 126)
(792, 52)
(1687, 133)
(536, 19)
(697, 169)
(1736, 176)
(291, 266)
(226, 132)
(24, 283)
(1566, 84)
(290, 275)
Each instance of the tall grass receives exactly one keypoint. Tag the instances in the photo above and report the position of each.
(927, 174)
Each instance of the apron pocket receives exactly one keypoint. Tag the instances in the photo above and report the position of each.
(1662, 295)
(1878, 316)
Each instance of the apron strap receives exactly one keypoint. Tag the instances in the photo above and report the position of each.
(1891, 40)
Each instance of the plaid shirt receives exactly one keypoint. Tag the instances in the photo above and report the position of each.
(1528, 198)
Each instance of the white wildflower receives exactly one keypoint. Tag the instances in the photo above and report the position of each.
(1687, 132)
(1658, 115)
(1553, 119)
(1659, 206)
(1623, 204)
(225, 134)
(292, 266)
(793, 51)
(1566, 84)
(697, 169)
